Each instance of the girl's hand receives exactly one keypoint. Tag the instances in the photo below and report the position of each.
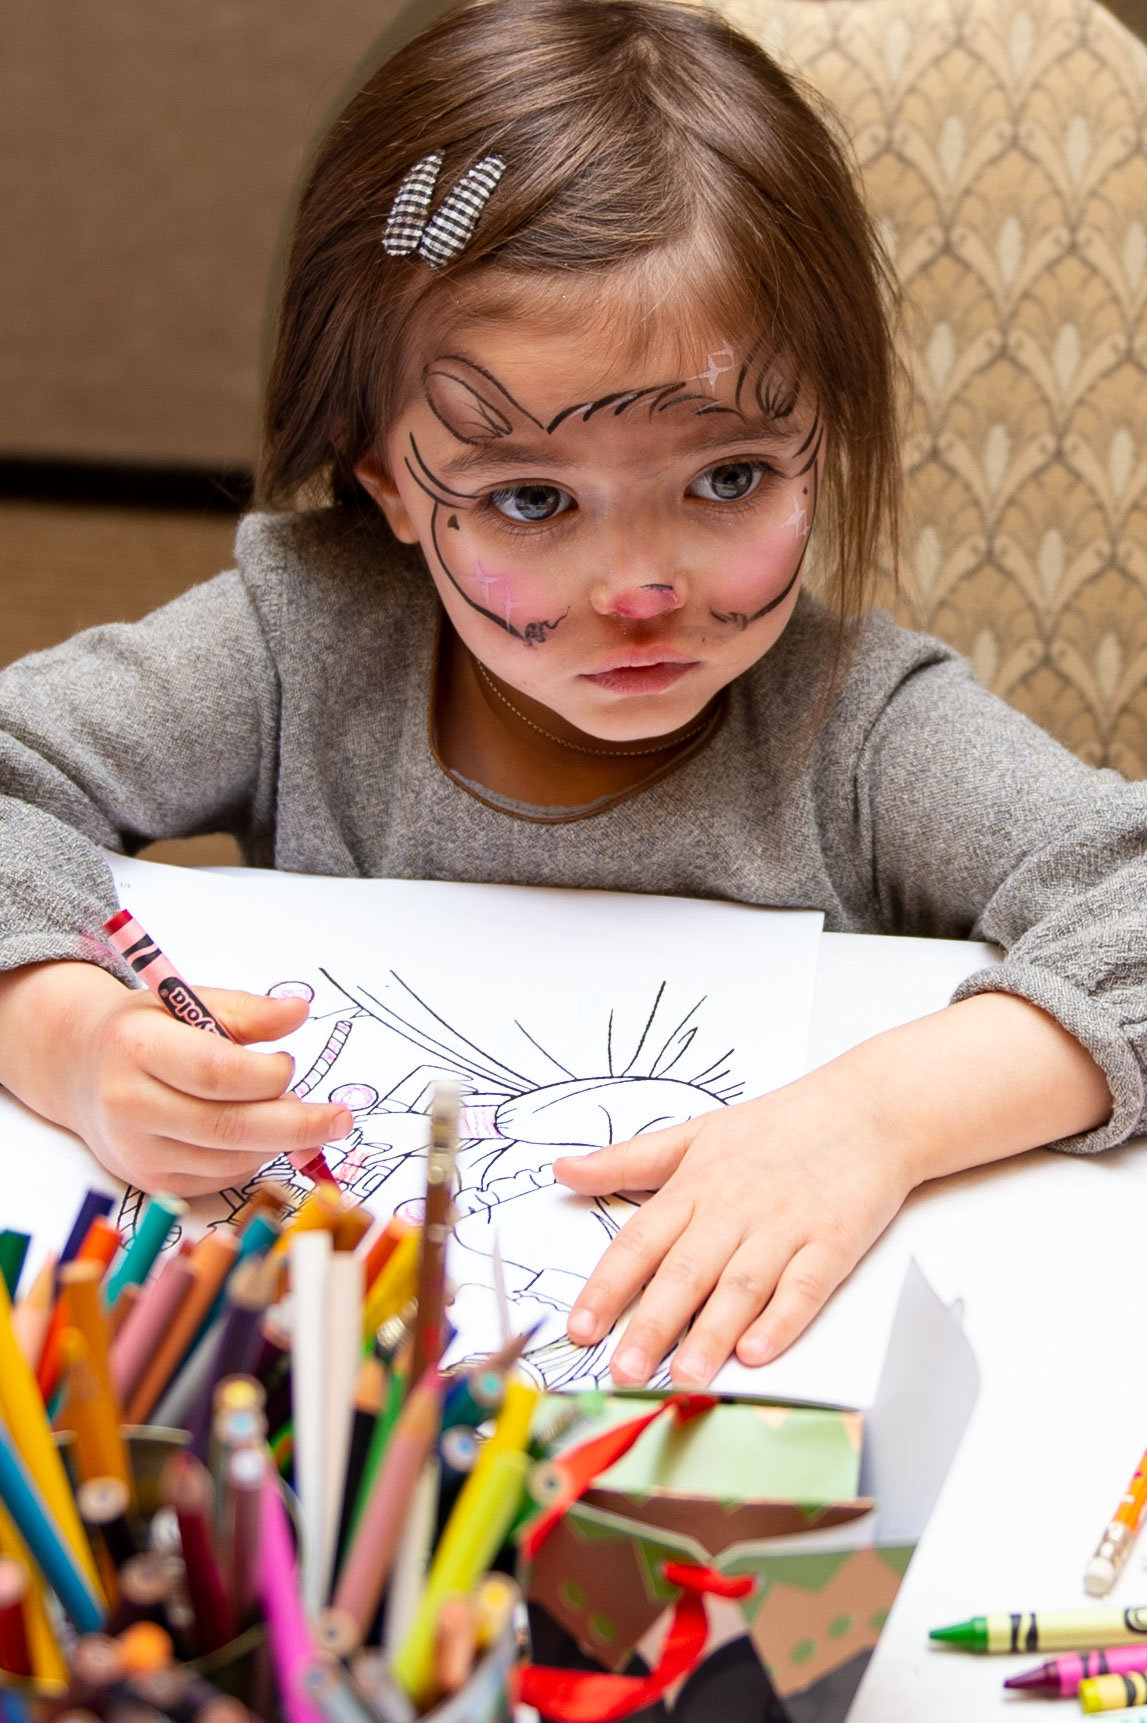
(760, 1211)
(160, 1104)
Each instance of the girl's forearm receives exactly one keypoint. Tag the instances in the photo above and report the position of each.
(976, 1082)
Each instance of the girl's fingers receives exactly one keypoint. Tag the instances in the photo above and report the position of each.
(811, 1276)
(624, 1268)
(193, 1062)
(186, 1170)
(684, 1280)
(641, 1164)
(252, 1016)
(742, 1292)
(262, 1129)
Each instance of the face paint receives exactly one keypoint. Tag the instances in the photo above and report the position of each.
(607, 550)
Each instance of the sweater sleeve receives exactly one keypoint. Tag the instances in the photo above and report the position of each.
(124, 734)
(979, 825)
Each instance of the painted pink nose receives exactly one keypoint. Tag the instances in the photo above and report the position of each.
(644, 601)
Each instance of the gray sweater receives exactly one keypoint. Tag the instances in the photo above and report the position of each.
(287, 702)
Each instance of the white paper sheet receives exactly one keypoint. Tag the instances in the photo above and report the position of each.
(572, 1019)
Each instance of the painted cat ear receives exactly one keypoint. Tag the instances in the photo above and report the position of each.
(465, 410)
(449, 228)
(407, 220)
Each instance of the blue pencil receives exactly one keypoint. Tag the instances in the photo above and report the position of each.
(40, 1531)
(94, 1203)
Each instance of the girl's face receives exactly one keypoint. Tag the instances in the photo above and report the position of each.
(616, 542)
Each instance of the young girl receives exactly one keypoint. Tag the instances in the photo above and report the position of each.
(583, 350)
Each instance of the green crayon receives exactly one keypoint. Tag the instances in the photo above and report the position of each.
(1047, 1630)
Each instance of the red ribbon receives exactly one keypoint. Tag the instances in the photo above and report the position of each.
(591, 1696)
(579, 1466)
(595, 1696)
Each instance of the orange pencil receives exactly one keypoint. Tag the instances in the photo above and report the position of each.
(91, 1414)
(210, 1262)
(101, 1241)
(381, 1247)
(32, 1317)
(1119, 1535)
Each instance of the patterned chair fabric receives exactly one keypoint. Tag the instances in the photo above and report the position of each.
(1002, 143)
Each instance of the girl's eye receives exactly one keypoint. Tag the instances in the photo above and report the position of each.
(531, 502)
(728, 483)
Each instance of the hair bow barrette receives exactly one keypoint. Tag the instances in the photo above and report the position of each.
(439, 237)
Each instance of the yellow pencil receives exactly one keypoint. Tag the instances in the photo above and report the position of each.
(394, 1287)
(24, 1413)
(478, 1523)
(459, 1561)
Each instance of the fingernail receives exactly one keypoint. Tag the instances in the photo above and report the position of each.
(692, 1367)
(582, 1325)
(342, 1123)
(630, 1361)
(755, 1349)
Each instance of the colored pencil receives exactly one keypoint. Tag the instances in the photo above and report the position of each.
(45, 1538)
(156, 1224)
(242, 1484)
(436, 1230)
(232, 1346)
(368, 1397)
(95, 1205)
(292, 1647)
(32, 1317)
(412, 1558)
(135, 1344)
(13, 1250)
(310, 1255)
(99, 1245)
(23, 1412)
(80, 1285)
(44, 1651)
(376, 1536)
(15, 1657)
(341, 1357)
(210, 1262)
(186, 1486)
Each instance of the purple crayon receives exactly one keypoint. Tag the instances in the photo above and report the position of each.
(1062, 1675)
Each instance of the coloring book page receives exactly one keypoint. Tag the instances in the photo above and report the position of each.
(569, 1019)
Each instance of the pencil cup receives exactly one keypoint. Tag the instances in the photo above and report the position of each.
(233, 1666)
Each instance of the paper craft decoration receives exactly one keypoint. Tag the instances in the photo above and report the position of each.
(822, 1593)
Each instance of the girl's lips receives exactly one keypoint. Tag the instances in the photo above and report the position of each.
(641, 678)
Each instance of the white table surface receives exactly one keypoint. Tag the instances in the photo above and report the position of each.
(1047, 1252)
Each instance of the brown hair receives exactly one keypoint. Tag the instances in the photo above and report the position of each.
(642, 138)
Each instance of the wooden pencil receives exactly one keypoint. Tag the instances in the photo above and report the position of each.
(210, 1262)
(309, 1254)
(436, 1229)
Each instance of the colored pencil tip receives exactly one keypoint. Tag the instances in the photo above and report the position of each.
(1032, 1678)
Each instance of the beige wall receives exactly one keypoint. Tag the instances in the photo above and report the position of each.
(148, 150)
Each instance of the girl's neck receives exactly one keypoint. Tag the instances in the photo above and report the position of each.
(492, 735)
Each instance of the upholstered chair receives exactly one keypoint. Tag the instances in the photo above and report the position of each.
(1002, 144)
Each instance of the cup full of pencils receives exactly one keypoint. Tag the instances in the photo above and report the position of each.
(235, 1480)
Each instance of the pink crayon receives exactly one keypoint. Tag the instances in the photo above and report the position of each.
(137, 948)
(1062, 1675)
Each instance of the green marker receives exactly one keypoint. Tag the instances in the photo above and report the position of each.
(1047, 1630)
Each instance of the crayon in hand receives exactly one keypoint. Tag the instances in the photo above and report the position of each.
(140, 952)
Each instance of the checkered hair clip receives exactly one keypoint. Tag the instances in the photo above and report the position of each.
(438, 237)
